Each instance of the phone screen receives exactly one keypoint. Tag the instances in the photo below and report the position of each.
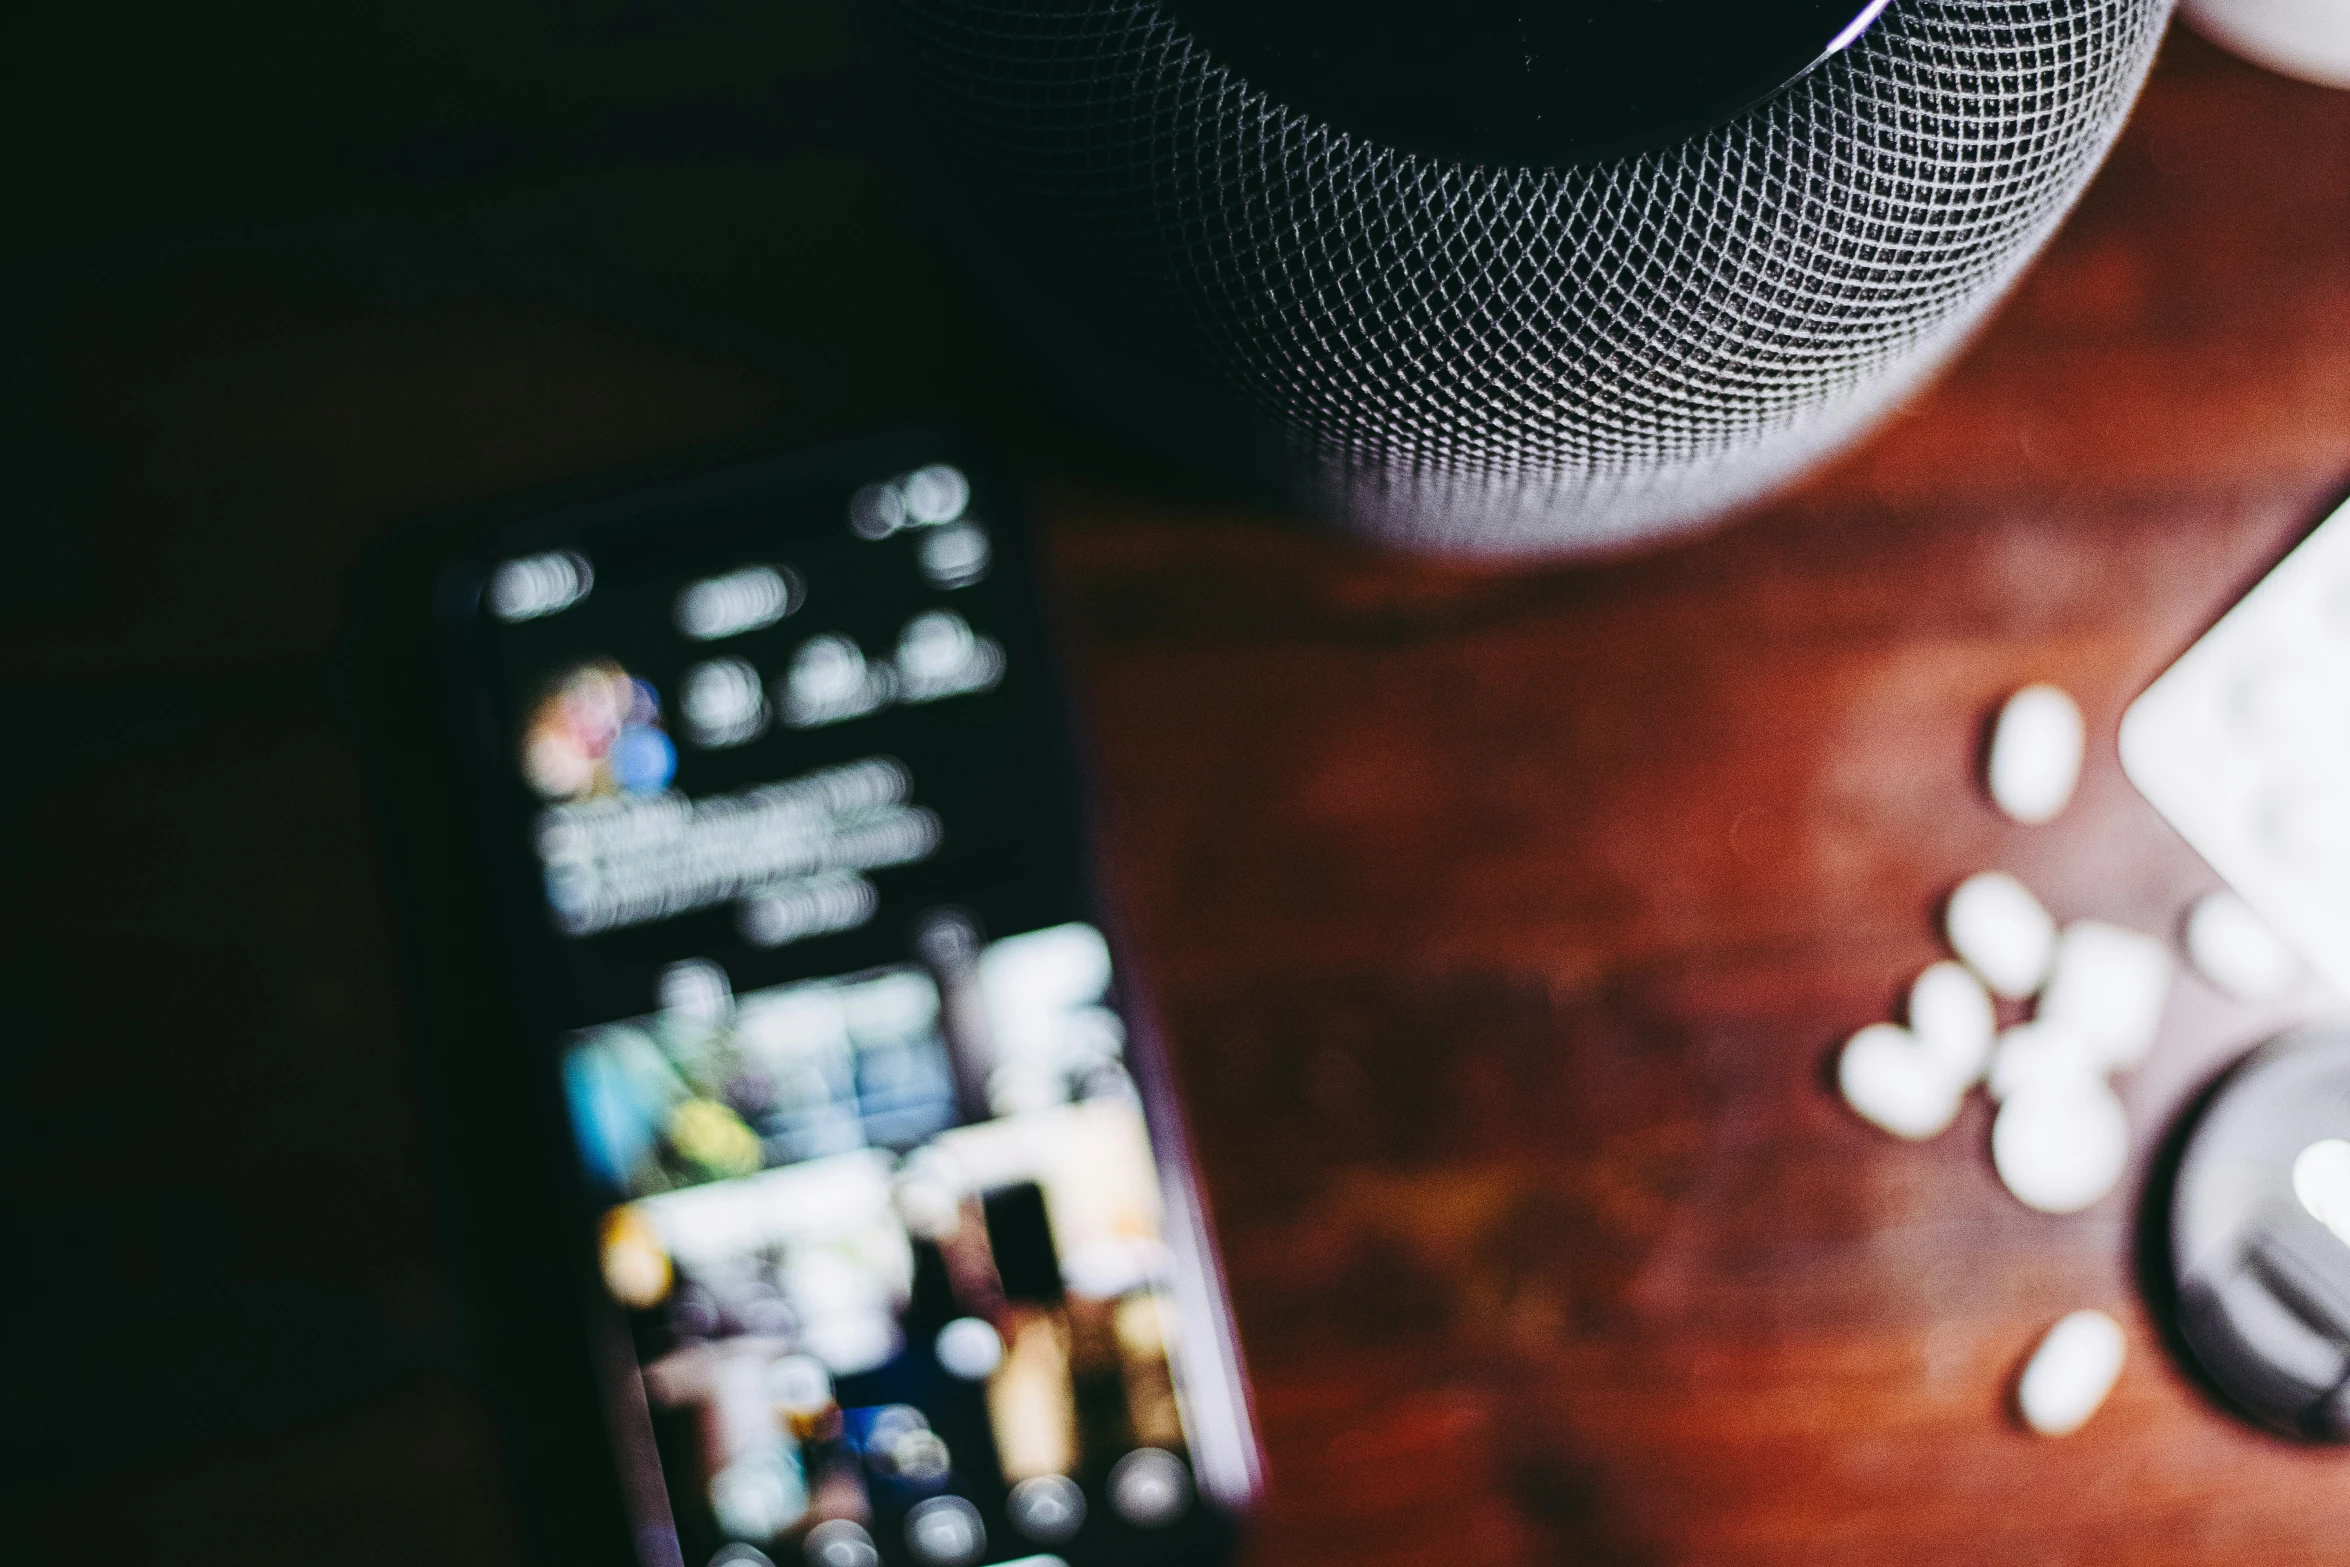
(883, 1188)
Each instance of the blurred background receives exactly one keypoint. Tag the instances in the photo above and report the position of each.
(282, 275)
(1505, 920)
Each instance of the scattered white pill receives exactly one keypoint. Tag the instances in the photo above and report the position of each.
(2036, 754)
(2060, 1146)
(2039, 1054)
(2107, 987)
(1950, 1013)
(1893, 1081)
(1999, 930)
(2071, 1373)
(2234, 949)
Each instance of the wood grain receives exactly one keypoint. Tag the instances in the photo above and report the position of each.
(1506, 920)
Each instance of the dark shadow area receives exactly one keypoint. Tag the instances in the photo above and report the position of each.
(2151, 1255)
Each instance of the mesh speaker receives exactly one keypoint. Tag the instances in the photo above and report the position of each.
(1501, 356)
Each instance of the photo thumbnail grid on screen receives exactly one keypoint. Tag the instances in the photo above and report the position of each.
(857, 1291)
(873, 1187)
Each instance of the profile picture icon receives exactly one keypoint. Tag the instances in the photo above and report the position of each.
(597, 731)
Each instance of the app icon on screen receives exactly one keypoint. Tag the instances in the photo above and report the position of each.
(597, 731)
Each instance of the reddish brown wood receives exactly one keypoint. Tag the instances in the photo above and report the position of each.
(1506, 919)
(1509, 921)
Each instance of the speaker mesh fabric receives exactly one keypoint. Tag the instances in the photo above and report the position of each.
(1507, 358)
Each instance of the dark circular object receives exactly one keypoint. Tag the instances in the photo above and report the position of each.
(1503, 81)
(2264, 1284)
(1414, 318)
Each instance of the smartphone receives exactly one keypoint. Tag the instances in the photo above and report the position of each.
(825, 1189)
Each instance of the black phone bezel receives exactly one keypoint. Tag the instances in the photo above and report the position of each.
(546, 1341)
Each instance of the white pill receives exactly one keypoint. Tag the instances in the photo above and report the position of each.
(2060, 1146)
(1999, 930)
(2039, 1054)
(2071, 1373)
(1950, 1013)
(2233, 948)
(2107, 987)
(1893, 1081)
(2036, 754)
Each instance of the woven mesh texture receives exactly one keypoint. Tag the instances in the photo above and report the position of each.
(1503, 357)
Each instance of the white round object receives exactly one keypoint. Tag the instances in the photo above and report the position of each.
(1046, 1508)
(936, 494)
(969, 1349)
(1150, 1488)
(945, 1532)
(840, 1542)
(1951, 1014)
(2309, 39)
(2060, 1147)
(955, 556)
(2071, 1372)
(724, 703)
(1894, 1082)
(1999, 930)
(2234, 949)
(2036, 754)
(2107, 987)
(2039, 1055)
(759, 1495)
(540, 585)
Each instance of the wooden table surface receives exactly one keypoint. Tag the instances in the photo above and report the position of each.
(1506, 920)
